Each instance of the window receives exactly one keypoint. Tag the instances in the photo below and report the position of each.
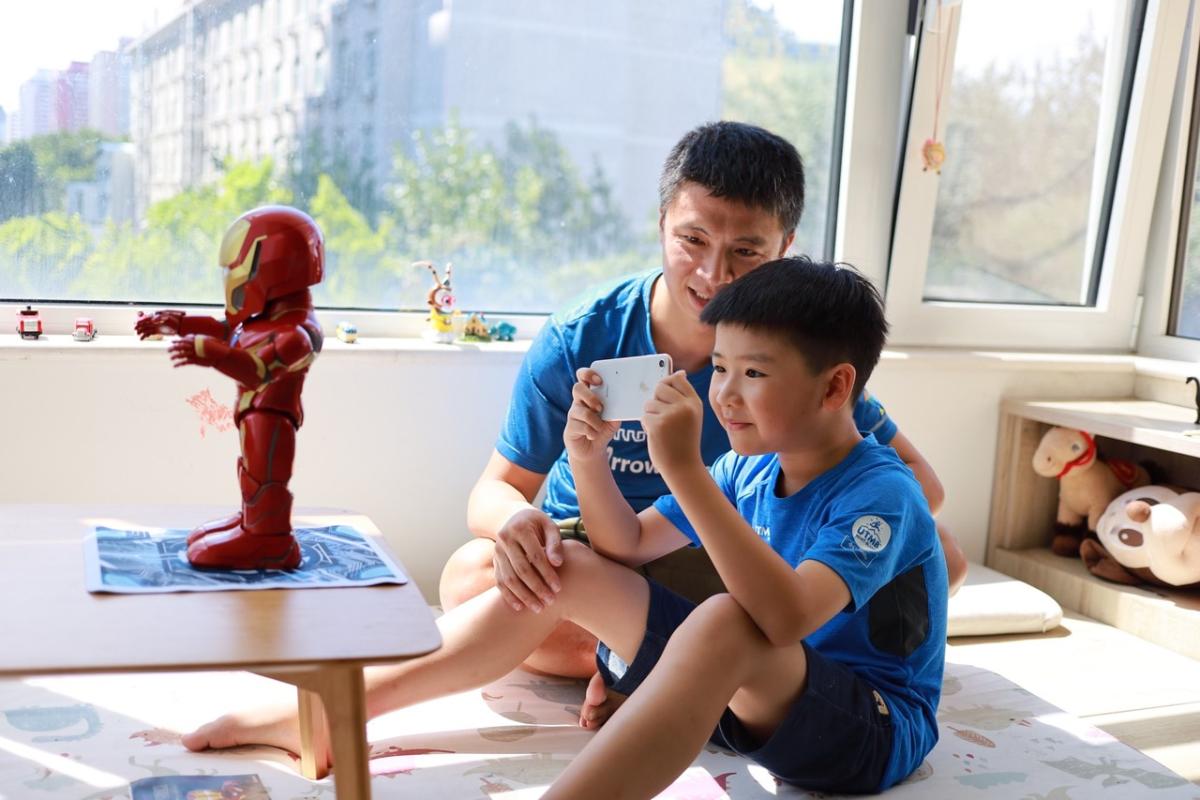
(1033, 231)
(521, 142)
(1170, 326)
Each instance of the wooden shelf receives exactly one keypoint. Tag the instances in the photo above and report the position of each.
(1144, 422)
(1169, 618)
(1024, 505)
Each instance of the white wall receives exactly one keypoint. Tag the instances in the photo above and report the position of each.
(400, 434)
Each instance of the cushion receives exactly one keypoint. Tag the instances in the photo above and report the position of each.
(993, 603)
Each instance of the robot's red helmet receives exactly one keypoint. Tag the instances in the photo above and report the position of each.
(269, 252)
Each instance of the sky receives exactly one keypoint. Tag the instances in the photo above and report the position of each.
(50, 34)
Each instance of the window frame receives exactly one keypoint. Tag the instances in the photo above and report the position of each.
(1167, 250)
(1109, 324)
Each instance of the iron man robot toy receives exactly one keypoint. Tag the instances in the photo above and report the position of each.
(266, 343)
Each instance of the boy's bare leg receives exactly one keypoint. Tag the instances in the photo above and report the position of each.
(569, 650)
(717, 658)
(482, 640)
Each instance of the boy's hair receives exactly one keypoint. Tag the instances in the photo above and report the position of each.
(740, 162)
(831, 313)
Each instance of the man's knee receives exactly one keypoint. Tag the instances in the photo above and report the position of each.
(468, 572)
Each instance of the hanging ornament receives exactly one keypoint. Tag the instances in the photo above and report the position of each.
(933, 152)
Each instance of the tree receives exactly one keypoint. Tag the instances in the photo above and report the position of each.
(772, 80)
(20, 190)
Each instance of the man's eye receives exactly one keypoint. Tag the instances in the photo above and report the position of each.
(691, 239)
(744, 253)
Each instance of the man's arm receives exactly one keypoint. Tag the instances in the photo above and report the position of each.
(502, 490)
(935, 495)
(528, 543)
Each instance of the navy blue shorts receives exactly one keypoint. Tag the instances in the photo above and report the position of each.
(837, 736)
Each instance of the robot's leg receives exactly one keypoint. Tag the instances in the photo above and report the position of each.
(224, 523)
(263, 538)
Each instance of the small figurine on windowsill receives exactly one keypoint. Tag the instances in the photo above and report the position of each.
(476, 329)
(266, 343)
(29, 323)
(503, 331)
(441, 305)
(85, 329)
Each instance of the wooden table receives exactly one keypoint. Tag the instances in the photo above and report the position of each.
(316, 639)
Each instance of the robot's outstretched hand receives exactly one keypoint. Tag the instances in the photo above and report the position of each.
(159, 323)
(202, 350)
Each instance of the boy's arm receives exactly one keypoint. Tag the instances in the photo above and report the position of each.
(786, 604)
(614, 529)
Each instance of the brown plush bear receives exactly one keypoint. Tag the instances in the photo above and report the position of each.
(1086, 484)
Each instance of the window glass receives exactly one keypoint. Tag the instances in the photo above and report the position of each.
(519, 141)
(1026, 157)
(1185, 307)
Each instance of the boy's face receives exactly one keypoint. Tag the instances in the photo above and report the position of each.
(765, 394)
(709, 241)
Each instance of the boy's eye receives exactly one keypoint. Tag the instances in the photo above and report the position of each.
(753, 373)
(718, 368)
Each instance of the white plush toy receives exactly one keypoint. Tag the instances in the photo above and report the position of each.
(1156, 530)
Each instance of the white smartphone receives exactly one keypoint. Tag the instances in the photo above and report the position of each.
(629, 383)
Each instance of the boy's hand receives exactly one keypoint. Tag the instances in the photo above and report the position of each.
(528, 550)
(587, 436)
(672, 421)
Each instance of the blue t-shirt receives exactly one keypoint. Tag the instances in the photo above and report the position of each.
(867, 520)
(612, 323)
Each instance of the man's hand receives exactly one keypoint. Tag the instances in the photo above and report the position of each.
(587, 436)
(672, 421)
(159, 323)
(528, 550)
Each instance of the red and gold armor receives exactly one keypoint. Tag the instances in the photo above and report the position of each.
(270, 336)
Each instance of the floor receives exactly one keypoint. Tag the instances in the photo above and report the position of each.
(1140, 693)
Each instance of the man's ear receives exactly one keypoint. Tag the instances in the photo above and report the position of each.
(839, 386)
(787, 243)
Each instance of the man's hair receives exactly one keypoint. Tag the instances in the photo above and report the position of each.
(740, 162)
(831, 313)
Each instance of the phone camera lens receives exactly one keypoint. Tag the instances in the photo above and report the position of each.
(661, 362)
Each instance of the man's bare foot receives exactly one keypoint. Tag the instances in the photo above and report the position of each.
(599, 703)
(273, 726)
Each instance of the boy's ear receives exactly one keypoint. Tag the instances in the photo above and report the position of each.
(839, 386)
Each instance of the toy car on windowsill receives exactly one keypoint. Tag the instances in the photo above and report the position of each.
(85, 329)
(29, 323)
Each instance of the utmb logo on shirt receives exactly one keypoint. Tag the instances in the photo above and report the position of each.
(868, 535)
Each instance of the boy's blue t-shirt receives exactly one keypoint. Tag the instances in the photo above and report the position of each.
(613, 323)
(867, 520)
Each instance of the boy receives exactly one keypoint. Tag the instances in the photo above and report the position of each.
(730, 198)
(824, 661)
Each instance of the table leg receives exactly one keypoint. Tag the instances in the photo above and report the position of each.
(333, 715)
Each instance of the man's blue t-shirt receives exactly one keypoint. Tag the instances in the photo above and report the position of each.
(867, 520)
(613, 323)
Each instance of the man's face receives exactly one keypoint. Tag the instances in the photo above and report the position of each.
(709, 241)
(764, 393)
